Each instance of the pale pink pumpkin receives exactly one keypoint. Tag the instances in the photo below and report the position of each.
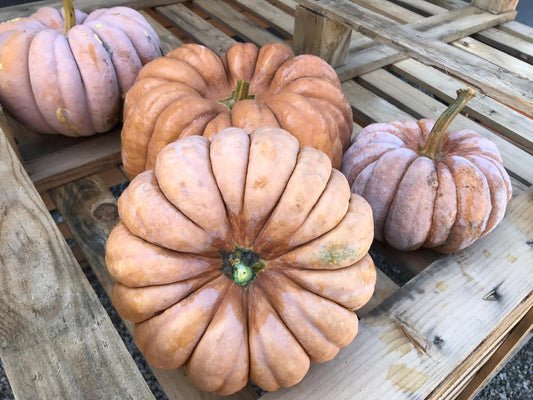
(428, 187)
(59, 77)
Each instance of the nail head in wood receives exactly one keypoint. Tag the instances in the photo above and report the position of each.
(318, 35)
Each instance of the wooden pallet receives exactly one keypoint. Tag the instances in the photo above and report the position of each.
(439, 336)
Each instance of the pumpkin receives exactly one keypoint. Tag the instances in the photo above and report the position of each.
(59, 77)
(429, 187)
(241, 258)
(192, 91)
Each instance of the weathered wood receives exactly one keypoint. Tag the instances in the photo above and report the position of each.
(318, 35)
(233, 19)
(196, 27)
(520, 48)
(90, 210)
(421, 105)
(420, 341)
(496, 6)
(278, 19)
(168, 41)
(445, 27)
(508, 88)
(504, 120)
(25, 10)
(56, 340)
(65, 165)
(8, 132)
(517, 337)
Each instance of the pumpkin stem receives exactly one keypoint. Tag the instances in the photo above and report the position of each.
(240, 93)
(70, 15)
(440, 129)
(241, 265)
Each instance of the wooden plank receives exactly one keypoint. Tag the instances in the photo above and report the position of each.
(8, 132)
(508, 88)
(495, 56)
(56, 339)
(509, 43)
(441, 27)
(278, 19)
(429, 334)
(286, 5)
(196, 27)
(91, 212)
(496, 6)
(517, 29)
(318, 35)
(517, 127)
(25, 10)
(421, 105)
(168, 40)
(519, 335)
(66, 165)
(233, 19)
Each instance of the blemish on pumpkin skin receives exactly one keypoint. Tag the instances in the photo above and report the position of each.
(406, 378)
(336, 253)
(510, 258)
(487, 253)
(260, 183)
(92, 54)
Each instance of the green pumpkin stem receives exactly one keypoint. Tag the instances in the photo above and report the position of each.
(240, 93)
(440, 129)
(70, 15)
(241, 265)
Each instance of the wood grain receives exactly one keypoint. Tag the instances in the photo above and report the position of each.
(196, 27)
(56, 340)
(424, 338)
(508, 88)
(318, 35)
(90, 155)
(496, 6)
(237, 22)
(168, 41)
(90, 210)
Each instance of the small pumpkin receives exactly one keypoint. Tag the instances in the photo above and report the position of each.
(241, 258)
(59, 77)
(192, 91)
(429, 187)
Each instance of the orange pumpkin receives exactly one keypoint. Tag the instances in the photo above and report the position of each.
(429, 187)
(241, 258)
(59, 77)
(192, 91)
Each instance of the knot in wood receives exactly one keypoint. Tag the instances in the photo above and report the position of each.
(106, 212)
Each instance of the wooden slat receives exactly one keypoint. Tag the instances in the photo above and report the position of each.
(196, 27)
(277, 18)
(168, 40)
(495, 6)
(8, 132)
(318, 35)
(445, 27)
(522, 31)
(421, 105)
(233, 19)
(509, 88)
(517, 337)
(91, 212)
(66, 165)
(57, 340)
(431, 333)
(508, 42)
(495, 56)
(517, 127)
(24, 10)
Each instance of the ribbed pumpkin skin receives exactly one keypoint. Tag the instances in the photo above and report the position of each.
(72, 83)
(445, 204)
(260, 192)
(177, 96)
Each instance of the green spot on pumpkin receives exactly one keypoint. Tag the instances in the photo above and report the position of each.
(335, 254)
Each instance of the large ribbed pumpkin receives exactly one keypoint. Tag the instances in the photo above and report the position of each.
(241, 258)
(58, 77)
(429, 187)
(192, 91)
